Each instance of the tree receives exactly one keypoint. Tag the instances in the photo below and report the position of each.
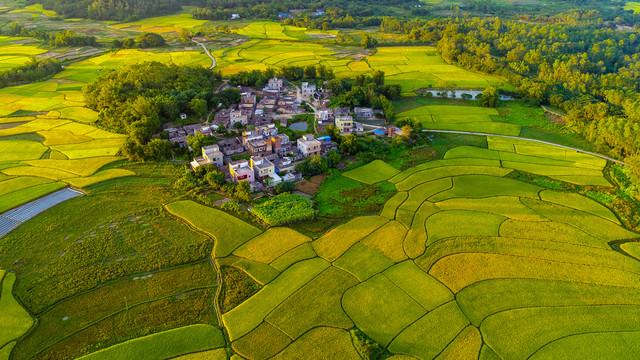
(149, 40)
(334, 133)
(198, 141)
(350, 144)
(185, 35)
(368, 42)
(243, 191)
(198, 107)
(157, 150)
(215, 179)
(310, 72)
(334, 156)
(489, 97)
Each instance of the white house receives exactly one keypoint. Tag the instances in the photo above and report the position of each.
(210, 155)
(308, 89)
(183, 116)
(275, 84)
(235, 16)
(309, 146)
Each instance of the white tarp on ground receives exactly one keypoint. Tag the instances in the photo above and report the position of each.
(15, 217)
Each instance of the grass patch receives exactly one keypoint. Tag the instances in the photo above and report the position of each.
(372, 173)
(284, 208)
(237, 286)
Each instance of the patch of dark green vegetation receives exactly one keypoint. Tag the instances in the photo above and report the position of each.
(367, 347)
(237, 286)
(284, 209)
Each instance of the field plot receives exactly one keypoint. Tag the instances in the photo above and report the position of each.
(273, 45)
(162, 24)
(460, 118)
(17, 51)
(15, 320)
(417, 67)
(58, 126)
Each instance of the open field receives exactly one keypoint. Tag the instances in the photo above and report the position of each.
(633, 6)
(162, 24)
(411, 67)
(15, 52)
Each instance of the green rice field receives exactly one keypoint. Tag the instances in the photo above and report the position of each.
(15, 52)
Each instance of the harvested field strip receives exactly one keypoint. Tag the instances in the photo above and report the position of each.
(584, 221)
(318, 303)
(489, 297)
(165, 344)
(248, 315)
(454, 223)
(337, 241)
(552, 323)
(426, 338)
(480, 186)
(601, 345)
(458, 271)
(447, 162)
(579, 202)
(381, 309)
(272, 244)
(229, 237)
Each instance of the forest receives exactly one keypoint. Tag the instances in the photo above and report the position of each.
(137, 99)
(111, 9)
(577, 63)
(34, 70)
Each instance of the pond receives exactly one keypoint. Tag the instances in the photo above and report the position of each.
(299, 126)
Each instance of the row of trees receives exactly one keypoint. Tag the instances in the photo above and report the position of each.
(60, 39)
(588, 70)
(33, 70)
(112, 9)
(137, 99)
(143, 41)
(258, 79)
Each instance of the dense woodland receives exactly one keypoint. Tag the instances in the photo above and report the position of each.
(60, 39)
(138, 99)
(579, 64)
(112, 9)
(34, 70)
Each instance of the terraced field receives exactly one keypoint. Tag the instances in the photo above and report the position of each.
(412, 67)
(17, 51)
(514, 270)
(162, 24)
(47, 137)
(15, 320)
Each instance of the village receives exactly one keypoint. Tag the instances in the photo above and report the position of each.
(263, 156)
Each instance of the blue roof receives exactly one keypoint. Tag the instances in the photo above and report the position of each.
(378, 132)
(323, 138)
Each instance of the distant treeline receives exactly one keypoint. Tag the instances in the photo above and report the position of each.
(111, 9)
(137, 99)
(577, 62)
(61, 39)
(34, 70)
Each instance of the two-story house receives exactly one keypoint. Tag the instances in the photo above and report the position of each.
(275, 84)
(309, 146)
(259, 147)
(363, 113)
(262, 168)
(210, 155)
(344, 124)
(241, 171)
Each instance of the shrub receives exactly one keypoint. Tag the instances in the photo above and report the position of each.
(284, 208)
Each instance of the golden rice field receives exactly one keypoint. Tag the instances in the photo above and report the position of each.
(464, 261)
(52, 138)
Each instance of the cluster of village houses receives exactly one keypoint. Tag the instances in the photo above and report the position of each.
(273, 156)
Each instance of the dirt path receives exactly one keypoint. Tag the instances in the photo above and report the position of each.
(532, 140)
(213, 60)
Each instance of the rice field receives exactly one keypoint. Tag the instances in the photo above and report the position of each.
(16, 51)
(162, 24)
(273, 45)
(500, 245)
(15, 320)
